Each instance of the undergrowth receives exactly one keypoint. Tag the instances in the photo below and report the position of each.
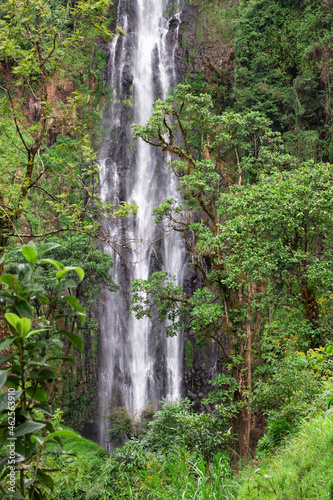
(303, 469)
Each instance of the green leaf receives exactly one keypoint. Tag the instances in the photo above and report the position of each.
(36, 331)
(4, 398)
(14, 495)
(23, 326)
(4, 359)
(12, 319)
(9, 280)
(23, 308)
(75, 304)
(43, 299)
(78, 270)
(67, 284)
(36, 393)
(45, 408)
(45, 479)
(328, 412)
(6, 342)
(24, 446)
(68, 359)
(75, 339)
(329, 349)
(54, 263)
(37, 439)
(63, 433)
(28, 428)
(46, 247)
(30, 254)
(3, 377)
(45, 374)
(13, 381)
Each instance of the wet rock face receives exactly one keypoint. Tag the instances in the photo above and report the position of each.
(213, 58)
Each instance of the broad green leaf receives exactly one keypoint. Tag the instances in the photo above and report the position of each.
(23, 326)
(38, 362)
(13, 381)
(9, 280)
(4, 359)
(6, 343)
(36, 331)
(46, 247)
(3, 377)
(24, 275)
(30, 254)
(45, 374)
(33, 288)
(74, 303)
(28, 428)
(45, 408)
(75, 339)
(37, 439)
(45, 479)
(14, 495)
(62, 433)
(23, 308)
(329, 349)
(78, 270)
(4, 398)
(43, 299)
(54, 263)
(37, 393)
(68, 359)
(67, 284)
(12, 319)
(24, 446)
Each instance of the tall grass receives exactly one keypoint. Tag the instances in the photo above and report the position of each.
(302, 470)
(182, 476)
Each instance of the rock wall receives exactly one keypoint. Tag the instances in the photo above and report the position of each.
(204, 54)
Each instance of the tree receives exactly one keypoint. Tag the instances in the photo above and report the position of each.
(279, 232)
(254, 220)
(49, 173)
(211, 153)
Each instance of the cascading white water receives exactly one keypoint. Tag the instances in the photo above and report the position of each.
(138, 364)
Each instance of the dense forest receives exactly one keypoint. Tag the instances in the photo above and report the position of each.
(246, 133)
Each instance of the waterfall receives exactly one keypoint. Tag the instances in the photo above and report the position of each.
(139, 365)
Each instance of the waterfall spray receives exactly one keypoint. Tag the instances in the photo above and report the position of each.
(138, 364)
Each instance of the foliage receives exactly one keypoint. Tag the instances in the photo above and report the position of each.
(284, 69)
(76, 381)
(273, 231)
(30, 365)
(302, 469)
(122, 422)
(45, 122)
(176, 424)
(289, 393)
(178, 476)
(257, 224)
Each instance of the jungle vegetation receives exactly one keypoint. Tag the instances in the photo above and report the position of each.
(252, 148)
